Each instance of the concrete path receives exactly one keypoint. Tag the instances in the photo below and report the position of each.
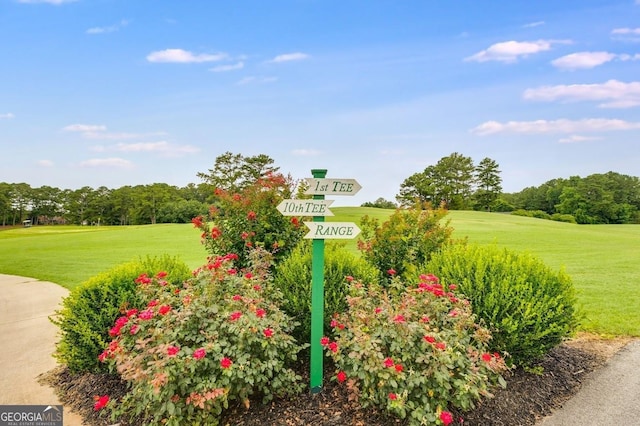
(28, 340)
(610, 396)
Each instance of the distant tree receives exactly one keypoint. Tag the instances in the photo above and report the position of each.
(488, 182)
(234, 172)
(380, 203)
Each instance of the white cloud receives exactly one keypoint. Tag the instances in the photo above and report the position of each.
(533, 24)
(626, 34)
(583, 60)
(183, 56)
(45, 163)
(85, 128)
(163, 148)
(230, 67)
(578, 138)
(115, 163)
(7, 116)
(305, 152)
(116, 136)
(626, 31)
(554, 126)
(56, 2)
(511, 51)
(288, 57)
(613, 93)
(109, 29)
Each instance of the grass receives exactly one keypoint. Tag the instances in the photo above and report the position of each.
(601, 259)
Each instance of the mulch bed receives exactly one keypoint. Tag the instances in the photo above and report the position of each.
(529, 396)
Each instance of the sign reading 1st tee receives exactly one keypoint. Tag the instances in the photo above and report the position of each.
(332, 186)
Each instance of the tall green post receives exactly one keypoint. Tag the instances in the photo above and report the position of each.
(317, 299)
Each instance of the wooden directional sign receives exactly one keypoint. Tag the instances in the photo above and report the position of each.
(305, 207)
(332, 186)
(332, 230)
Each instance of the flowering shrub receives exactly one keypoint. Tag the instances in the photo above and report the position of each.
(406, 239)
(249, 218)
(192, 350)
(529, 307)
(413, 350)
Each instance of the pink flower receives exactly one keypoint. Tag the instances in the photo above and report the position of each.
(446, 418)
(377, 310)
(237, 297)
(260, 313)
(399, 319)
(143, 279)
(152, 303)
(452, 287)
(225, 362)
(244, 235)
(173, 350)
(164, 309)
(341, 376)
(393, 396)
(251, 215)
(248, 275)
(199, 353)
(333, 347)
(388, 363)
(257, 287)
(267, 332)
(232, 271)
(324, 341)
(441, 345)
(349, 278)
(120, 322)
(235, 315)
(101, 402)
(391, 272)
(114, 331)
(424, 318)
(103, 356)
(131, 312)
(147, 314)
(134, 329)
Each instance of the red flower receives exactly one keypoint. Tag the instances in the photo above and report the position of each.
(131, 312)
(134, 329)
(399, 319)
(391, 272)
(486, 357)
(441, 345)
(164, 309)
(341, 376)
(446, 418)
(452, 287)
(120, 322)
(398, 368)
(260, 313)
(232, 271)
(114, 331)
(199, 353)
(237, 297)
(225, 362)
(153, 303)
(295, 222)
(251, 215)
(173, 350)
(349, 278)
(424, 318)
(103, 356)
(235, 315)
(257, 287)
(324, 341)
(248, 275)
(429, 339)
(377, 310)
(197, 221)
(143, 279)
(496, 355)
(101, 402)
(393, 396)
(161, 274)
(267, 332)
(216, 233)
(388, 363)
(333, 347)
(244, 235)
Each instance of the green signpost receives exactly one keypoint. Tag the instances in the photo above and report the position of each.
(319, 186)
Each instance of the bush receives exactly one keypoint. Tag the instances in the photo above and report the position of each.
(190, 351)
(250, 218)
(293, 277)
(529, 308)
(413, 351)
(90, 309)
(563, 218)
(538, 214)
(406, 239)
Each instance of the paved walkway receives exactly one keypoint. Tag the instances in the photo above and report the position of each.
(28, 340)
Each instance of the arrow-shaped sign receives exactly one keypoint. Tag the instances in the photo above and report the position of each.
(305, 207)
(332, 230)
(332, 186)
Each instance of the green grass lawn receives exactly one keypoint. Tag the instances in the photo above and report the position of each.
(601, 259)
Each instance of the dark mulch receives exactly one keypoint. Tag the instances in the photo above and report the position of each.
(527, 398)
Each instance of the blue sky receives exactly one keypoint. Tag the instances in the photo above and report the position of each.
(127, 92)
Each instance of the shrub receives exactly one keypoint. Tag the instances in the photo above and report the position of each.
(529, 308)
(406, 239)
(250, 218)
(90, 309)
(293, 277)
(538, 214)
(413, 351)
(563, 218)
(190, 351)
